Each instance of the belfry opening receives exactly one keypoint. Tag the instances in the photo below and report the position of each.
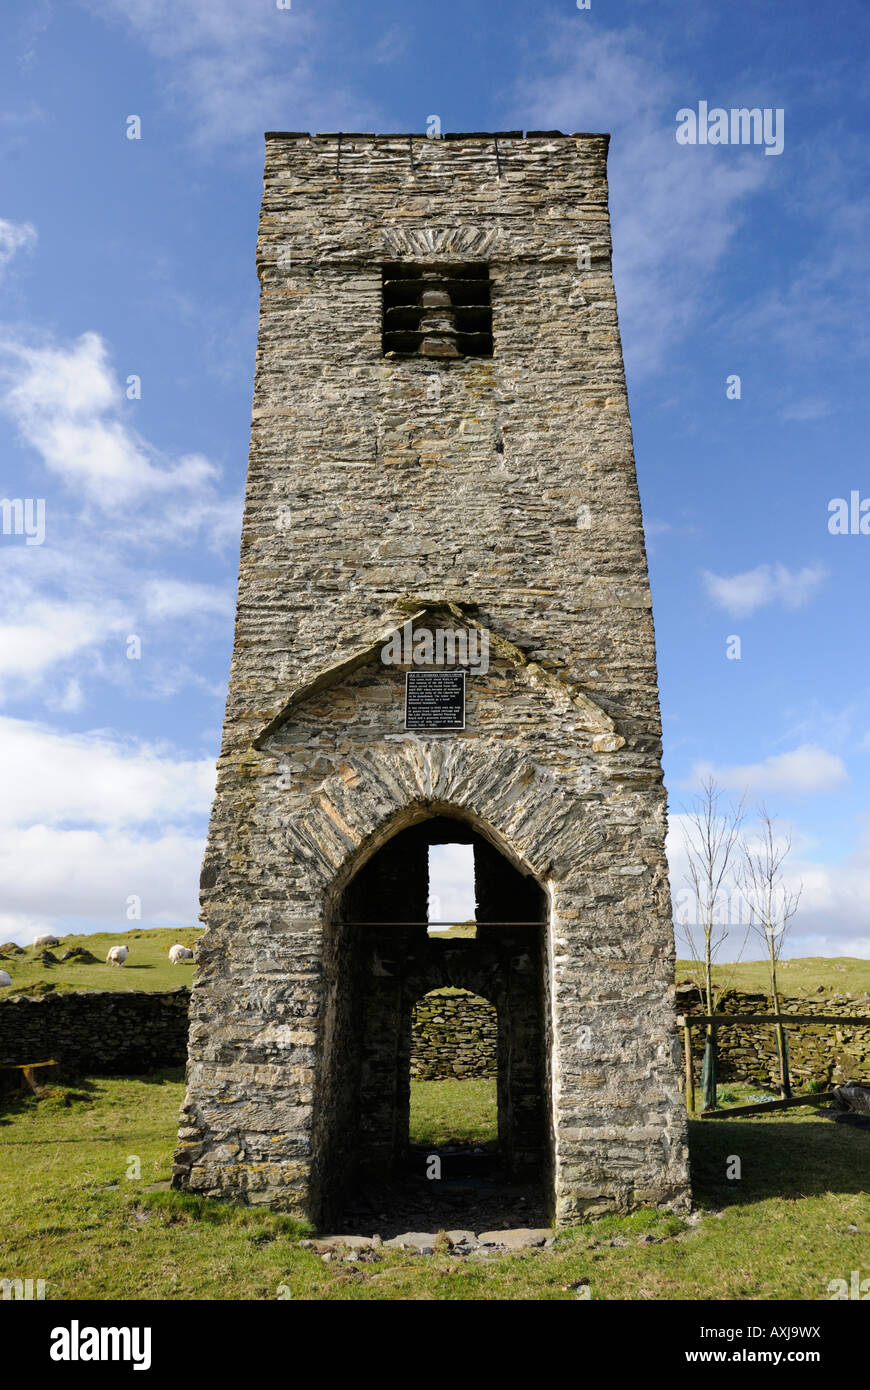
(382, 959)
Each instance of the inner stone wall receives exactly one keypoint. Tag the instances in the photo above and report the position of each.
(453, 1034)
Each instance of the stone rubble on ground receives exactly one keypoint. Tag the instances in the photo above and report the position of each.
(426, 1243)
(520, 1239)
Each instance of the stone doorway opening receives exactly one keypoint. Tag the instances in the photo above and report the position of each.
(454, 1112)
(381, 961)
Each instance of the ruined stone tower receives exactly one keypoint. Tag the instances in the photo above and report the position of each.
(440, 448)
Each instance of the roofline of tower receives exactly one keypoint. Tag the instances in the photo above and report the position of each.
(447, 135)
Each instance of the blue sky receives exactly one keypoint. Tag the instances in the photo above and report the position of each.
(122, 258)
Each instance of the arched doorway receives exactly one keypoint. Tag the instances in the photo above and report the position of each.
(381, 959)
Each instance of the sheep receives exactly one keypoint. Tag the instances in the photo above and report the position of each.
(178, 953)
(46, 940)
(117, 955)
(5, 979)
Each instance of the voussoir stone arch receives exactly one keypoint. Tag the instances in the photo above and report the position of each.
(519, 806)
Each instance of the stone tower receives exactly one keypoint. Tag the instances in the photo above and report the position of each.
(441, 480)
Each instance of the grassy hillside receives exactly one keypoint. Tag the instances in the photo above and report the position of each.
(838, 975)
(146, 967)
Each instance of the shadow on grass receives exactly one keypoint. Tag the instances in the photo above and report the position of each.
(777, 1159)
(180, 1208)
(160, 1076)
(66, 1088)
(59, 1093)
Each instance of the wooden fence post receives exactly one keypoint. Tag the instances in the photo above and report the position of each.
(690, 1070)
(782, 1051)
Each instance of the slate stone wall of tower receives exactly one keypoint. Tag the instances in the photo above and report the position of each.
(498, 491)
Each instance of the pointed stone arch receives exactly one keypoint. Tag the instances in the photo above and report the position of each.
(378, 960)
(529, 817)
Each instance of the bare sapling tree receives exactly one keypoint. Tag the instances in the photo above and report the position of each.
(771, 906)
(711, 843)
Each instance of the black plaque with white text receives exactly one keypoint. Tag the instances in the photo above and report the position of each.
(435, 700)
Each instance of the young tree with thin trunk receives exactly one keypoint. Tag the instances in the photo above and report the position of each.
(711, 840)
(771, 907)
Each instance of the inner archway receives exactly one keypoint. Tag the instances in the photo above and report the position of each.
(382, 960)
(454, 1114)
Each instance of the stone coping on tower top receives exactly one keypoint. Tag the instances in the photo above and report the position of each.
(446, 136)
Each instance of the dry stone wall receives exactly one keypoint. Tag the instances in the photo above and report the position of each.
(831, 1053)
(454, 1034)
(92, 1031)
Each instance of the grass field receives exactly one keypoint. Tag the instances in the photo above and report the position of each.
(838, 974)
(798, 1217)
(148, 967)
(437, 1116)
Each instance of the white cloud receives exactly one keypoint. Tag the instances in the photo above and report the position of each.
(831, 919)
(32, 25)
(14, 237)
(741, 594)
(239, 67)
(65, 637)
(173, 598)
(809, 408)
(66, 402)
(70, 699)
(45, 634)
(675, 209)
(824, 301)
(88, 820)
(70, 606)
(96, 779)
(825, 943)
(814, 722)
(806, 770)
(391, 45)
(50, 874)
(21, 115)
(451, 883)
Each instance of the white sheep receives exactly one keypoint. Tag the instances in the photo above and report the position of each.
(117, 955)
(178, 953)
(5, 979)
(47, 940)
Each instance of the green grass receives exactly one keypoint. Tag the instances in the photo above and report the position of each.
(442, 1111)
(838, 974)
(746, 1093)
(798, 1217)
(146, 967)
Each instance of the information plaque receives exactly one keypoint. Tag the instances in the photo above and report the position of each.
(435, 700)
